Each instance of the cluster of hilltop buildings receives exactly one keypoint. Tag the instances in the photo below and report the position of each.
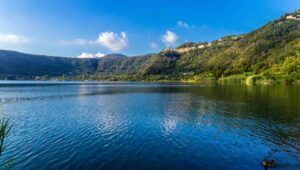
(188, 48)
(293, 16)
(193, 46)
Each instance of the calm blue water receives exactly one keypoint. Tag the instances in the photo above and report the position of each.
(150, 126)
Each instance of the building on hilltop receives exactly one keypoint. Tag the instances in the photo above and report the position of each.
(294, 17)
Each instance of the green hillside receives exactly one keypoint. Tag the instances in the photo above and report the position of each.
(267, 55)
(15, 65)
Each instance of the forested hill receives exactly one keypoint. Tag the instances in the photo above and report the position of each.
(267, 54)
(16, 65)
(271, 52)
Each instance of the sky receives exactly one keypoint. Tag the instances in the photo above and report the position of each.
(93, 28)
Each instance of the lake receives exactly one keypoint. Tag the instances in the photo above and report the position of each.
(102, 125)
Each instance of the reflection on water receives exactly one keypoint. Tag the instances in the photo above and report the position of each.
(153, 126)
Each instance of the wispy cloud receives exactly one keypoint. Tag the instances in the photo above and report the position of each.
(14, 39)
(169, 38)
(113, 41)
(78, 41)
(90, 55)
(153, 45)
(184, 24)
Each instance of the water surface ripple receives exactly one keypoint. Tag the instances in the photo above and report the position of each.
(150, 126)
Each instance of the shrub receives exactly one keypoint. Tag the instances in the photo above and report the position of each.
(291, 64)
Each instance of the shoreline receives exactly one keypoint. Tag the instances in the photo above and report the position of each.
(208, 81)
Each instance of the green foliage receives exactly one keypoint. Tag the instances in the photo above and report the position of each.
(5, 128)
(291, 65)
(251, 80)
(163, 63)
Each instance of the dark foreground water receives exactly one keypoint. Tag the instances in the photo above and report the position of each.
(150, 126)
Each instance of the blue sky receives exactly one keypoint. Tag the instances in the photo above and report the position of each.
(132, 27)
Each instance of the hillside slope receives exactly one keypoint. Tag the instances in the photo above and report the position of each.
(270, 53)
(16, 65)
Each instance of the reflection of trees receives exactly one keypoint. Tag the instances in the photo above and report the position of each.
(276, 103)
(267, 113)
(270, 114)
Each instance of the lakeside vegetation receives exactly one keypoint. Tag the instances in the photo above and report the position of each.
(5, 127)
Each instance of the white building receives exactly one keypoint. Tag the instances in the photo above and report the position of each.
(294, 17)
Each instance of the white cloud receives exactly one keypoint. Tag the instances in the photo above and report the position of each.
(77, 41)
(89, 55)
(85, 55)
(169, 38)
(183, 24)
(153, 45)
(110, 40)
(13, 39)
(113, 41)
(99, 55)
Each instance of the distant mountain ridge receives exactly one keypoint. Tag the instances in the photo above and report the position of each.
(114, 56)
(269, 53)
(17, 65)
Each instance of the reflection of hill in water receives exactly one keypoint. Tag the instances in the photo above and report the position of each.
(268, 113)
